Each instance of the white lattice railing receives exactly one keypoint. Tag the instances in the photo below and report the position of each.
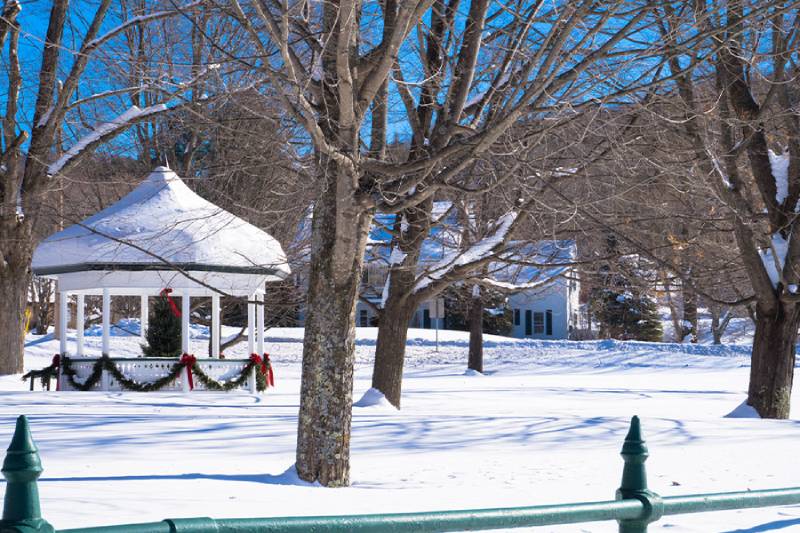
(149, 369)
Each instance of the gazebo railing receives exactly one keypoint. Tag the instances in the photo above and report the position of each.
(151, 369)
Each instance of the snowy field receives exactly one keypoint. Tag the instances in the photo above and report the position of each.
(545, 425)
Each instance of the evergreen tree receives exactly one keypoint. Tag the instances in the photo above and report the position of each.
(649, 327)
(620, 302)
(626, 315)
(164, 332)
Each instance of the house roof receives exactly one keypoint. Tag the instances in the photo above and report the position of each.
(162, 225)
(521, 265)
(532, 263)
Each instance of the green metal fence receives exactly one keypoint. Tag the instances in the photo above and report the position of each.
(634, 508)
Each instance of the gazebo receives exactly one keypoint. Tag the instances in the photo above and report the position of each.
(162, 235)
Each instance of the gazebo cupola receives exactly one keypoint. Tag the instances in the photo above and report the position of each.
(162, 235)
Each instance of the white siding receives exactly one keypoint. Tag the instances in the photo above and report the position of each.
(554, 298)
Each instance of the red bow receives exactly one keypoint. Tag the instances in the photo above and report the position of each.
(166, 293)
(188, 361)
(270, 376)
(56, 363)
(258, 361)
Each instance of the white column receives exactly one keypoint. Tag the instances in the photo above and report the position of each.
(215, 325)
(79, 324)
(185, 380)
(144, 316)
(260, 322)
(106, 321)
(104, 379)
(252, 381)
(186, 309)
(251, 326)
(62, 321)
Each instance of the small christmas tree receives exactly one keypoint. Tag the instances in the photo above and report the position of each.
(164, 332)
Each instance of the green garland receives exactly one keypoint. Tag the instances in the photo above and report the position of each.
(105, 363)
(212, 384)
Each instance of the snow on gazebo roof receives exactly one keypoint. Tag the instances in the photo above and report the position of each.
(162, 234)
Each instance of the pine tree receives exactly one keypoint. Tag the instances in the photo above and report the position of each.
(627, 315)
(649, 327)
(164, 332)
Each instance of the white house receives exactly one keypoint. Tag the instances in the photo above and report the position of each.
(542, 287)
(550, 310)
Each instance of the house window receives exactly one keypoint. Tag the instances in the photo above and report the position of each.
(363, 318)
(527, 322)
(548, 322)
(516, 317)
(426, 318)
(538, 323)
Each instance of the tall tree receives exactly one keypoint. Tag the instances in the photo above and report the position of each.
(33, 138)
(547, 50)
(338, 66)
(739, 124)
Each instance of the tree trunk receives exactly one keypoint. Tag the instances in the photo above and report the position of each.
(690, 313)
(772, 365)
(390, 350)
(674, 312)
(476, 334)
(720, 319)
(716, 331)
(14, 283)
(339, 235)
(401, 302)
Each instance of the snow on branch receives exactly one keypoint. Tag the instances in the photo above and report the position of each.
(718, 168)
(133, 21)
(483, 249)
(513, 287)
(779, 164)
(396, 258)
(100, 96)
(774, 258)
(104, 130)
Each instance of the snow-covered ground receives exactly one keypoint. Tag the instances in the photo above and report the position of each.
(545, 425)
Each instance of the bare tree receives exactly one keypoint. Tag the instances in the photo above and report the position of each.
(738, 118)
(337, 65)
(26, 170)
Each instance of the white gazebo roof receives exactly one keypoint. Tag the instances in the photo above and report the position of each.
(162, 234)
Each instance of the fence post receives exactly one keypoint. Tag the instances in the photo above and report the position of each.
(21, 468)
(634, 481)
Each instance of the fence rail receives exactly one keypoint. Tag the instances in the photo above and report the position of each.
(633, 509)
